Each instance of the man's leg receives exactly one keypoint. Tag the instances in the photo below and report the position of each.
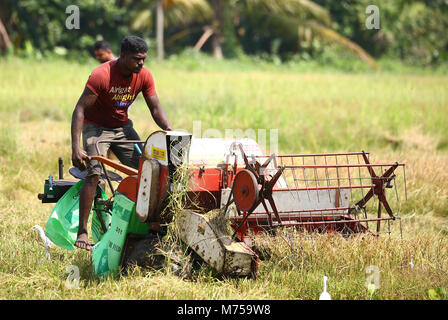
(86, 197)
(128, 155)
(90, 134)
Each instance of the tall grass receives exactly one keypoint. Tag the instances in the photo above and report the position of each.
(396, 117)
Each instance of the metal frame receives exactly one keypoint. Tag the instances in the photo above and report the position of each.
(343, 179)
(102, 164)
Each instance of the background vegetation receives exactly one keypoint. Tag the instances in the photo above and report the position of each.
(411, 31)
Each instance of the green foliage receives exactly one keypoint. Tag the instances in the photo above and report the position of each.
(413, 31)
(421, 34)
(40, 25)
(438, 294)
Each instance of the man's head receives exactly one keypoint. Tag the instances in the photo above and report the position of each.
(133, 53)
(102, 51)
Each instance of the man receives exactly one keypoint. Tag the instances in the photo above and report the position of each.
(102, 51)
(102, 114)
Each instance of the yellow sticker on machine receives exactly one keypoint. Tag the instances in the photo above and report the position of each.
(158, 153)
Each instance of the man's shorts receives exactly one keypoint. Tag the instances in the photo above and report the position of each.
(125, 152)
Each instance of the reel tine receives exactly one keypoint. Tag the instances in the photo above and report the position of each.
(328, 178)
(404, 179)
(305, 179)
(396, 191)
(316, 178)
(349, 178)
(294, 174)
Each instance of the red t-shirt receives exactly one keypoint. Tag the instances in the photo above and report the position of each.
(115, 93)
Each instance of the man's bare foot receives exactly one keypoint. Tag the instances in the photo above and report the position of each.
(83, 242)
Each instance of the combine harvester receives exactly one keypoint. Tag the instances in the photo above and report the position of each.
(326, 192)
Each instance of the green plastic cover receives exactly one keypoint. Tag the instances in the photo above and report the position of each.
(63, 223)
(107, 253)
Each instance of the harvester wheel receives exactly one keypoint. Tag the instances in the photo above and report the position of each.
(245, 190)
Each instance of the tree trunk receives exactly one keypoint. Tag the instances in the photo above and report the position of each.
(217, 37)
(5, 42)
(208, 31)
(159, 31)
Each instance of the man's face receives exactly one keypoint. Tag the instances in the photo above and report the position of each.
(103, 55)
(134, 61)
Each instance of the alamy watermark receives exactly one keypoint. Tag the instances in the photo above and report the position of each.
(373, 20)
(72, 281)
(373, 278)
(267, 139)
(72, 21)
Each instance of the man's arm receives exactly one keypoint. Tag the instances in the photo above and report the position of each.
(157, 112)
(86, 100)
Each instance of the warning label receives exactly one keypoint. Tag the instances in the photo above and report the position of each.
(158, 153)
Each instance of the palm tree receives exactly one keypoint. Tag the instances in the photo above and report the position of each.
(159, 30)
(217, 23)
(5, 42)
(303, 19)
(306, 19)
(169, 12)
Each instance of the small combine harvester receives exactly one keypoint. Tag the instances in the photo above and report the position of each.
(325, 192)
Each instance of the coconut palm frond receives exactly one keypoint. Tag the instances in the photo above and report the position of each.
(333, 36)
(142, 20)
(309, 16)
(319, 12)
(175, 12)
(298, 9)
(187, 11)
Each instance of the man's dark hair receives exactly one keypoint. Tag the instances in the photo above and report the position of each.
(103, 45)
(133, 44)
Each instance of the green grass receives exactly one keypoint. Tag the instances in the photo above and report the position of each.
(396, 116)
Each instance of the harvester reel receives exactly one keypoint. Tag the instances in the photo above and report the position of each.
(251, 186)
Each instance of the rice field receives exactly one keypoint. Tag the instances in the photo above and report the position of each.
(395, 116)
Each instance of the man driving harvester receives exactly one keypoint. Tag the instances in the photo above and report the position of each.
(102, 114)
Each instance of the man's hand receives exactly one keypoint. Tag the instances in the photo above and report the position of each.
(77, 158)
